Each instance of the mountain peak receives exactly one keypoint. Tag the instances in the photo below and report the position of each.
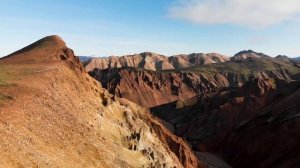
(245, 54)
(54, 39)
(149, 54)
(52, 42)
(47, 48)
(283, 58)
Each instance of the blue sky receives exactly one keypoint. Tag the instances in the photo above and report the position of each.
(119, 27)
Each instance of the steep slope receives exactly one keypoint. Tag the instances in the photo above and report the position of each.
(53, 114)
(150, 88)
(242, 125)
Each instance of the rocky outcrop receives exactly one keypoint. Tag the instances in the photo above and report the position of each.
(242, 125)
(58, 116)
(177, 145)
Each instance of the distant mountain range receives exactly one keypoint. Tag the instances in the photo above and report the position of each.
(194, 73)
(154, 61)
(84, 58)
(297, 58)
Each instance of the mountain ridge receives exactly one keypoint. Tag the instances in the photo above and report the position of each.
(54, 114)
(153, 61)
(158, 62)
(188, 82)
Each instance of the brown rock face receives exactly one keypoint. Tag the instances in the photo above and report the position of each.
(243, 125)
(53, 114)
(149, 88)
(177, 145)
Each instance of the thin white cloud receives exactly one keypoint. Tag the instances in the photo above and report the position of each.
(249, 13)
